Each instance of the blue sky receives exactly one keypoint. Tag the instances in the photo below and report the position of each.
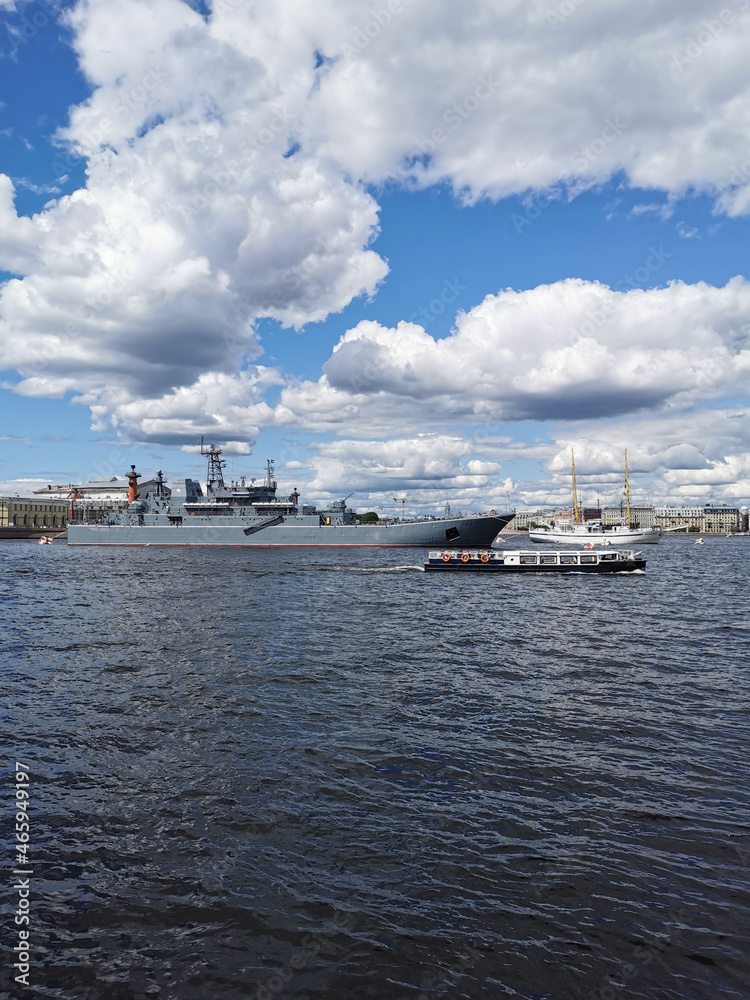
(461, 269)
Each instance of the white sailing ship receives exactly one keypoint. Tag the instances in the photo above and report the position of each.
(595, 532)
(576, 532)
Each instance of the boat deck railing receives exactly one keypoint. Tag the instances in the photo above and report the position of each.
(96, 512)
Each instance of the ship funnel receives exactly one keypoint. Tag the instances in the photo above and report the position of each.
(133, 478)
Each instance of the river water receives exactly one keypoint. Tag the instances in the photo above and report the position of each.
(289, 773)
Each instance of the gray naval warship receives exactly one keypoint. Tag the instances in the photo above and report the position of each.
(240, 514)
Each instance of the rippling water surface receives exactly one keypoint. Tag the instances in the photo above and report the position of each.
(271, 773)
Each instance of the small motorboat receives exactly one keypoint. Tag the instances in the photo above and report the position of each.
(700, 541)
(45, 540)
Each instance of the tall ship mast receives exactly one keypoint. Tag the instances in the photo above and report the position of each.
(627, 489)
(576, 506)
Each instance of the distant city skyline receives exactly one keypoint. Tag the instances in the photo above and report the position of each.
(403, 248)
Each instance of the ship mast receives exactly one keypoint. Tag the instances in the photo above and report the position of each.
(627, 488)
(575, 494)
(215, 476)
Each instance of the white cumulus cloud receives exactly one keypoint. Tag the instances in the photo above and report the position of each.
(574, 349)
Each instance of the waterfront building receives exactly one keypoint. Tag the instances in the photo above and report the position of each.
(640, 516)
(710, 518)
(719, 517)
(19, 513)
(678, 517)
(524, 519)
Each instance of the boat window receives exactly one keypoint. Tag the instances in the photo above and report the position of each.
(588, 559)
(568, 560)
(607, 555)
(548, 560)
(528, 560)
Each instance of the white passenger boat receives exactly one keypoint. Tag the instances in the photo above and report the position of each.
(522, 561)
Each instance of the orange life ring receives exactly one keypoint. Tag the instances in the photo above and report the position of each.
(465, 557)
(485, 557)
(446, 557)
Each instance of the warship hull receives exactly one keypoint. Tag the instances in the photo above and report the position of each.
(477, 532)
